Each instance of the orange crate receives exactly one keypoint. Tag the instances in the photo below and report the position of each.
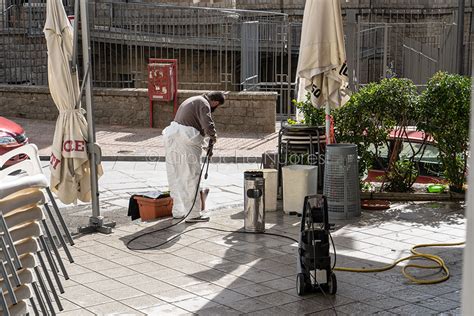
(154, 208)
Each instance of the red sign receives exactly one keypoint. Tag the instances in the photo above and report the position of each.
(162, 82)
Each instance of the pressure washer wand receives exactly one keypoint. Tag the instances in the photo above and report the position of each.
(208, 157)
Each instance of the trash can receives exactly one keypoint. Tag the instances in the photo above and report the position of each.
(271, 188)
(298, 182)
(341, 181)
(254, 201)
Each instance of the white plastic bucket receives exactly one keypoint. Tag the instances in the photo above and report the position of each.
(298, 182)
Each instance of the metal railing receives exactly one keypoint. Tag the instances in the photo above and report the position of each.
(218, 49)
(226, 49)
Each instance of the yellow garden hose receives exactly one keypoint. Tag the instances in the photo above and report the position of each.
(415, 255)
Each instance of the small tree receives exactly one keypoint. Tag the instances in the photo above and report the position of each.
(444, 113)
(371, 114)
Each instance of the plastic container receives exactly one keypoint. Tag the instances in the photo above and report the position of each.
(436, 188)
(154, 208)
(298, 182)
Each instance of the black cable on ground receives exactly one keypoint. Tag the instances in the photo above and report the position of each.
(206, 161)
(196, 228)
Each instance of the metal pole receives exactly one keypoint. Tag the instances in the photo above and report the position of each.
(328, 123)
(90, 118)
(467, 304)
(385, 50)
(96, 222)
(460, 38)
(75, 35)
(289, 48)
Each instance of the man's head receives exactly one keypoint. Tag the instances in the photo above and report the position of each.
(216, 99)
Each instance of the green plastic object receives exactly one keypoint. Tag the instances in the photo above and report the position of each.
(436, 188)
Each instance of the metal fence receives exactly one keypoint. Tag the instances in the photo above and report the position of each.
(411, 44)
(226, 49)
(215, 48)
(22, 46)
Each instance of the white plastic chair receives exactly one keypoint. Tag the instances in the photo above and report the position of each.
(20, 228)
(32, 166)
(20, 201)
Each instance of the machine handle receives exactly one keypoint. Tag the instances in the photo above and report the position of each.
(254, 193)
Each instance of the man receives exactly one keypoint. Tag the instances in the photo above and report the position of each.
(184, 139)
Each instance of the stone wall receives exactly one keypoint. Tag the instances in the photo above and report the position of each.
(250, 112)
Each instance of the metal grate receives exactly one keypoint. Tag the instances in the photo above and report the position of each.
(341, 181)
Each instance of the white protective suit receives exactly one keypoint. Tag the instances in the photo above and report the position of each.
(183, 165)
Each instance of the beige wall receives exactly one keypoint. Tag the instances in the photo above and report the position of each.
(252, 112)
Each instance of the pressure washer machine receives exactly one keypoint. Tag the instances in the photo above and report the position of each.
(314, 262)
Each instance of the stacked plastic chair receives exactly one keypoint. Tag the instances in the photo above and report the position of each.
(22, 242)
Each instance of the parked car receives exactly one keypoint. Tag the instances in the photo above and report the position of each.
(417, 144)
(12, 136)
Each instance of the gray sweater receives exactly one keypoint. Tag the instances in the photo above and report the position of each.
(196, 112)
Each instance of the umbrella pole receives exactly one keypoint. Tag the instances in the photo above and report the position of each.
(96, 222)
(328, 124)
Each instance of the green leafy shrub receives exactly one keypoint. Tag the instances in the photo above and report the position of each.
(402, 176)
(444, 113)
(311, 116)
(371, 113)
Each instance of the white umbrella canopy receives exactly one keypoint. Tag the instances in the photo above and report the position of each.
(322, 58)
(69, 164)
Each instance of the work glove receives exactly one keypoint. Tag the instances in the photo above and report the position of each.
(212, 141)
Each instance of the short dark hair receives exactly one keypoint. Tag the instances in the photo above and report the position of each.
(216, 96)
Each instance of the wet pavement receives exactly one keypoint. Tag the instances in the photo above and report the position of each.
(219, 270)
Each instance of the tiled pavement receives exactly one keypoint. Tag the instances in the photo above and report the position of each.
(208, 272)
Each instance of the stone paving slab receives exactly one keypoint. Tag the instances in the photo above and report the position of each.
(209, 272)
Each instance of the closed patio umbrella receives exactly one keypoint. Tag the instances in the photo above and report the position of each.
(70, 170)
(322, 58)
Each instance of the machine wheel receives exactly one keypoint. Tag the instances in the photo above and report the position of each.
(300, 284)
(332, 284)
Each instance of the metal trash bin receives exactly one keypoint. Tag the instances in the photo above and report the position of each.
(341, 181)
(254, 201)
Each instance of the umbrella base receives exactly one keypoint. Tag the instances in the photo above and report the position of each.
(97, 225)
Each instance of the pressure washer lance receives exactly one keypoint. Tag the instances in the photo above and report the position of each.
(207, 159)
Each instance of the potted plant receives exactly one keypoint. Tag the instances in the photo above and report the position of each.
(312, 116)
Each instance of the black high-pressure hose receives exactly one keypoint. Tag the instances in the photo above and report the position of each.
(206, 162)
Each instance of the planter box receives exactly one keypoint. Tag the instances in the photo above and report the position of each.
(154, 208)
(395, 196)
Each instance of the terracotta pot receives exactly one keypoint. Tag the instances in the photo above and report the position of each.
(154, 208)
